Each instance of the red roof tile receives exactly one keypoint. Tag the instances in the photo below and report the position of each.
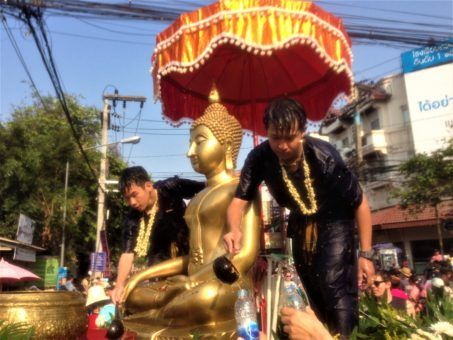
(395, 217)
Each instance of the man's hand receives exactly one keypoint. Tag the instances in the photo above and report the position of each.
(117, 294)
(232, 241)
(303, 324)
(233, 238)
(366, 270)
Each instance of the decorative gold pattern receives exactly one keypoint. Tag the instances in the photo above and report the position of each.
(141, 248)
(197, 256)
(54, 315)
(308, 186)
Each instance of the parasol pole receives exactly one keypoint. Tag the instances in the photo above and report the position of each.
(269, 298)
(275, 310)
(253, 99)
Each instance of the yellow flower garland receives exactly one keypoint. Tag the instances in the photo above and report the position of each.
(308, 186)
(141, 247)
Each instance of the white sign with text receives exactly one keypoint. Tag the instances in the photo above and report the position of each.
(430, 100)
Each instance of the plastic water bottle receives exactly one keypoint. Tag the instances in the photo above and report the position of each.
(245, 313)
(290, 296)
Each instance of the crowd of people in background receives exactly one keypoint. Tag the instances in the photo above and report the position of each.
(407, 291)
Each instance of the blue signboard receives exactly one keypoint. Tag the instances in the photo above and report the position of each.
(62, 274)
(98, 262)
(428, 56)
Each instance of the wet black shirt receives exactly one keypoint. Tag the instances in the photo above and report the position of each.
(337, 190)
(169, 225)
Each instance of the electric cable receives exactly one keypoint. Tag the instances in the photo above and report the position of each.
(22, 60)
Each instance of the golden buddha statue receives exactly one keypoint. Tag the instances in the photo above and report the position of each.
(191, 300)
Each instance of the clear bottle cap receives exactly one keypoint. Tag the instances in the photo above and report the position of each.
(242, 293)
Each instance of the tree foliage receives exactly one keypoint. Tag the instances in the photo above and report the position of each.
(34, 147)
(428, 179)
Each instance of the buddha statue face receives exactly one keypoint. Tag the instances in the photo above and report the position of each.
(215, 139)
(206, 153)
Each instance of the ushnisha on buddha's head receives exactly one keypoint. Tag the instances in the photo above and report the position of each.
(215, 140)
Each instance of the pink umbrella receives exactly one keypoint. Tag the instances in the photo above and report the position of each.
(12, 273)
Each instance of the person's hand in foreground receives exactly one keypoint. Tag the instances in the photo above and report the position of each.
(303, 325)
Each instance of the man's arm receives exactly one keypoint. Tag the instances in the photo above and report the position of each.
(124, 268)
(364, 225)
(234, 217)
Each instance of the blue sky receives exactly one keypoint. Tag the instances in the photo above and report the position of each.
(90, 57)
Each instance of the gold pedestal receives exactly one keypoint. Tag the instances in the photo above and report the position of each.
(54, 315)
(218, 330)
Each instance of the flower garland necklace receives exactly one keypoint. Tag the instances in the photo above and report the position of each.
(141, 248)
(308, 186)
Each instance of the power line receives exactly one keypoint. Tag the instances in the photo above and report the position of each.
(175, 129)
(377, 65)
(116, 31)
(158, 134)
(53, 74)
(424, 15)
(176, 154)
(100, 39)
(21, 59)
(402, 34)
(135, 133)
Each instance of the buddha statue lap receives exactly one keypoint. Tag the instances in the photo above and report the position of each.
(191, 299)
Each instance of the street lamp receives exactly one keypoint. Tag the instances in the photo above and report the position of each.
(128, 140)
(101, 193)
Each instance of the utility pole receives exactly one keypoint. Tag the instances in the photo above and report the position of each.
(63, 232)
(358, 143)
(358, 131)
(103, 172)
(101, 184)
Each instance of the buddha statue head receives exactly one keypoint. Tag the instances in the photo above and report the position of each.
(215, 140)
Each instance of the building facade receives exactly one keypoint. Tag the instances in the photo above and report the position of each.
(382, 127)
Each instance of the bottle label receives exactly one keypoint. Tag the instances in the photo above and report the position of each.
(249, 331)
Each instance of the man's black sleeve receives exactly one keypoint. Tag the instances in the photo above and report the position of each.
(189, 188)
(180, 187)
(251, 177)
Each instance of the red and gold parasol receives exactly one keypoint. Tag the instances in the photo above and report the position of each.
(253, 51)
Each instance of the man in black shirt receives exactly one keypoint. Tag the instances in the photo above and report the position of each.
(308, 176)
(155, 225)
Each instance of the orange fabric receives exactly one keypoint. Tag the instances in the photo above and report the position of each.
(256, 23)
(254, 51)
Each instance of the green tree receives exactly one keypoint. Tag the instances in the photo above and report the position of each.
(34, 147)
(428, 180)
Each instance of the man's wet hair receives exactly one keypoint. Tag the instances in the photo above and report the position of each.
(134, 175)
(283, 113)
